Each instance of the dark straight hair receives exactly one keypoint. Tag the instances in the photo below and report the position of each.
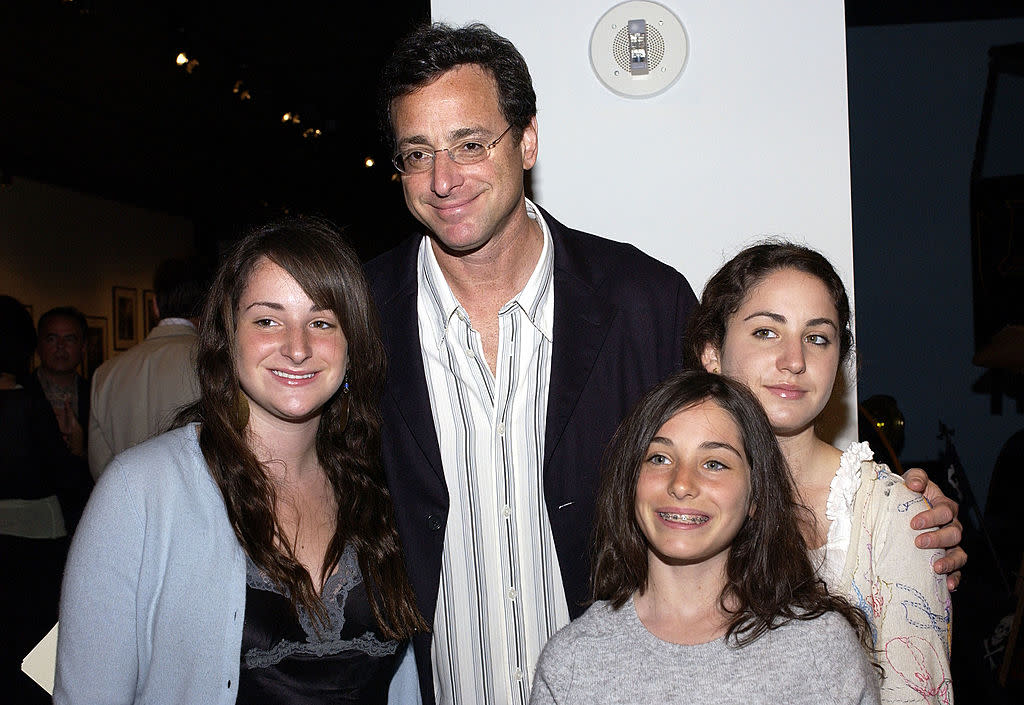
(430, 50)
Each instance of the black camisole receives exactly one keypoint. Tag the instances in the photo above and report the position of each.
(284, 660)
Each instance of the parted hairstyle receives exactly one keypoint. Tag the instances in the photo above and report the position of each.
(430, 50)
(729, 286)
(328, 270)
(769, 576)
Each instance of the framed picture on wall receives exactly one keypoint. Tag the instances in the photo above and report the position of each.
(125, 334)
(149, 319)
(96, 334)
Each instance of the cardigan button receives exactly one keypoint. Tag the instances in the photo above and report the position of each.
(434, 522)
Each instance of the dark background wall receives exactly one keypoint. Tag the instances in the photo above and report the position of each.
(915, 103)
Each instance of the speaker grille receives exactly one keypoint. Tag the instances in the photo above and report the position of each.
(655, 48)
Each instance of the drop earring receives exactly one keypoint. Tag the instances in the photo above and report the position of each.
(344, 402)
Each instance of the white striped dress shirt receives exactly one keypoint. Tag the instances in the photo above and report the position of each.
(501, 594)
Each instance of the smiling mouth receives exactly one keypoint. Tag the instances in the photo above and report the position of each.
(287, 375)
(787, 392)
(695, 519)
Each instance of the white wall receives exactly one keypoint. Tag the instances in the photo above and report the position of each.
(752, 139)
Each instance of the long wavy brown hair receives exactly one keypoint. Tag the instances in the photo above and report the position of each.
(769, 576)
(347, 439)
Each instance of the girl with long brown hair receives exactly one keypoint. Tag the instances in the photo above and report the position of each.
(777, 318)
(250, 555)
(702, 582)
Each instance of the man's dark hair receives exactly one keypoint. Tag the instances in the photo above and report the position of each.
(181, 286)
(430, 50)
(64, 312)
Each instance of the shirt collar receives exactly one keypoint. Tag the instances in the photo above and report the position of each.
(171, 321)
(535, 299)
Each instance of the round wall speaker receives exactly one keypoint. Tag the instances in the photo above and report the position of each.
(638, 49)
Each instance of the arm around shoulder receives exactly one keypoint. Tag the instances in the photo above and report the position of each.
(911, 604)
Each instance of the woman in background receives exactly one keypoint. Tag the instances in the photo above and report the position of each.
(702, 580)
(777, 318)
(35, 466)
(250, 555)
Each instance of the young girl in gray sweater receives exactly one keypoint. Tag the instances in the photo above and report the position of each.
(703, 587)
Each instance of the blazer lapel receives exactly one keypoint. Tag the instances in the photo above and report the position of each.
(582, 321)
(407, 386)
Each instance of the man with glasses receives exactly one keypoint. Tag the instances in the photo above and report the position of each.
(515, 347)
(61, 350)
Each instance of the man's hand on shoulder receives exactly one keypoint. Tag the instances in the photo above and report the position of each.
(943, 516)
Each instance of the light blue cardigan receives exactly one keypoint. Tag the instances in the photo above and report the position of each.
(154, 590)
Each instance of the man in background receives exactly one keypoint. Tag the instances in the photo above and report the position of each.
(61, 349)
(135, 395)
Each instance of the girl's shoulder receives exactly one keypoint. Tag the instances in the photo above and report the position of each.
(164, 468)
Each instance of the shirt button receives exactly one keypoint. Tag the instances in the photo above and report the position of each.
(506, 511)
(469, 352)
(512, 594)
(434, 522)
(518, 674)
(501, 428)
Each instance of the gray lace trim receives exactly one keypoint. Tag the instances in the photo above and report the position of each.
(329, 642)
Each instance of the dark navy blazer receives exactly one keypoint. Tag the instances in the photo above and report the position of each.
(618, 329)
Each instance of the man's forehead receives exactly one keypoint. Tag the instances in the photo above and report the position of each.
(59, 324)
(470, 87)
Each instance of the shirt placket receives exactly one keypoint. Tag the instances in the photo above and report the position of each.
(507, 500)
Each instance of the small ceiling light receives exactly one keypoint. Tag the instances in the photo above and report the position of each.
(181, 59)
(241, 91)
(369, 162)
(287, 117)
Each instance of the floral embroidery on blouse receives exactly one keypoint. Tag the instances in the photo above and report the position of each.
(870, 558)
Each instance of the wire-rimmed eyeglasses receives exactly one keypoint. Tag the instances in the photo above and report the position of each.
(418, 159)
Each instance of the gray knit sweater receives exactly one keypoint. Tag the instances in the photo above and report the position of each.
(608, 657)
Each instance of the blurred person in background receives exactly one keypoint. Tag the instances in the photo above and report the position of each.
(136, 394)
(35, 467)
(61, 350)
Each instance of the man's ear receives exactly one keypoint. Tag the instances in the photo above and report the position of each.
(710, 359)
(528, 144)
